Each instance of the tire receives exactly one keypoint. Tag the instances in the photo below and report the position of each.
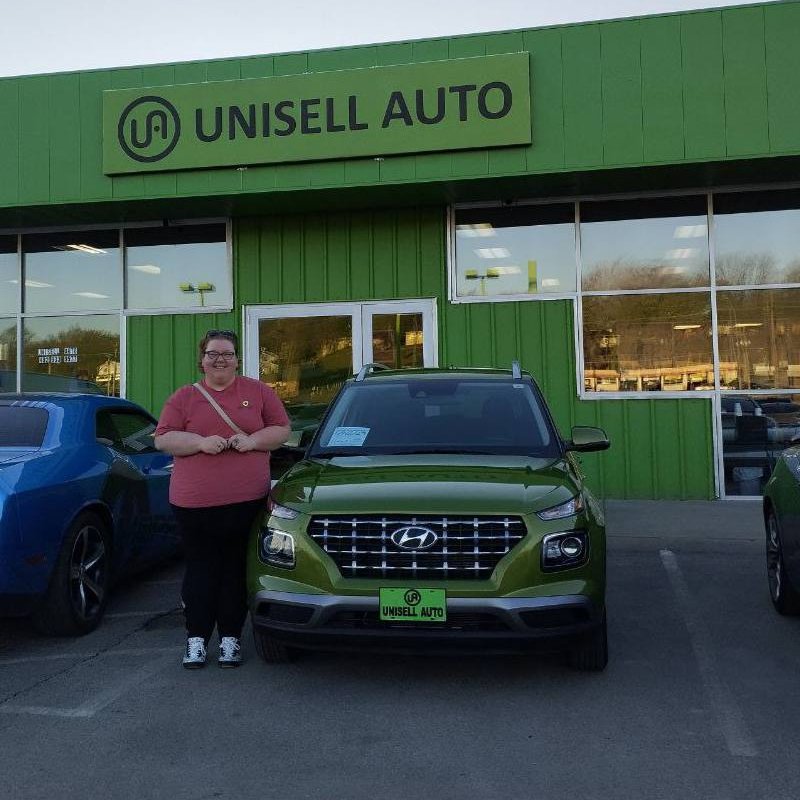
(272, 651)
(76, 598)
(590, 652)
(785, 598)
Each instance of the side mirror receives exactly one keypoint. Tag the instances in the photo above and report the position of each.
(587, 440)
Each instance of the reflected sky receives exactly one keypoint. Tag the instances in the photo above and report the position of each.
(9, 283)
(178, 276)
(515, 260)
(761, 247)
(645, 253)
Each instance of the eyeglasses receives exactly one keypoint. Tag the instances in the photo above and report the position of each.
(220, 332)
(213, 355)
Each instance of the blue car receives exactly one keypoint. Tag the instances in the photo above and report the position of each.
(83, 501)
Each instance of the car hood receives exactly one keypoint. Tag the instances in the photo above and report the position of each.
(429, 483)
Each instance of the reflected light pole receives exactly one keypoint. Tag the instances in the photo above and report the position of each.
(199, 288)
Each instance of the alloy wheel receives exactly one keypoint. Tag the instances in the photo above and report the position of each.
(87, 572)
(774, 559)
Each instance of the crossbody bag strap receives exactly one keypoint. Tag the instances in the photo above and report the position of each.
(218, 408)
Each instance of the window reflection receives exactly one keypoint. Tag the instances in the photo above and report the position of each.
(77, 271)
(9, 275)
(524, 250)
(755, 431)
(177, 267)
(397, 340)
(648, 342)
(306, 360)
(754, 243)
(759, 338)
(645, 244)
(8, 355)
(72, 353)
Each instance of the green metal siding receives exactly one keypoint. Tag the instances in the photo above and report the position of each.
(710, 85)
(660, 448)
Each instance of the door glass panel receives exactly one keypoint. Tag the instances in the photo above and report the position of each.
(397, 340)
(755, 431)
(306, 360)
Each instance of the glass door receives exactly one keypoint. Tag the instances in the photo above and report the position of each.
(306, 351)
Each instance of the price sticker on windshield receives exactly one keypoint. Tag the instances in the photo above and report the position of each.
(348, 437)
(413, 605)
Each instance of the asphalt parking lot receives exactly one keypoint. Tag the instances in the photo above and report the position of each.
(700, 699)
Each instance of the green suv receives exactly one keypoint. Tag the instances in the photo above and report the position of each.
(435, 510)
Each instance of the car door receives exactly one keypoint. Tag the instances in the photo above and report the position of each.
(138, 487)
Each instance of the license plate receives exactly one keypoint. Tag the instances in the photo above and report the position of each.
(413, 605)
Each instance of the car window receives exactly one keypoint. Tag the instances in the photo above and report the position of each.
(22, 426)
(439, 415)
(128, 431)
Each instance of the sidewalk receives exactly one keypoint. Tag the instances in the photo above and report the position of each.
(738, 519)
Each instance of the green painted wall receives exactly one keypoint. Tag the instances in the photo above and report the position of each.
(660, 448)
(709, 85)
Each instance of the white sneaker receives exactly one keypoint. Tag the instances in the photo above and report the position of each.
(230, 652)
(195, 653)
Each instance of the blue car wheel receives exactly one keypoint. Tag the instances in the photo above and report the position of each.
(78, 592)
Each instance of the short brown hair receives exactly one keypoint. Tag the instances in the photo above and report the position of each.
(215, 333)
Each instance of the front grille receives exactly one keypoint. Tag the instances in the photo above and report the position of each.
(465, 548)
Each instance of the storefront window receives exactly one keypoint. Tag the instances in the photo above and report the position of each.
(641, 343)
(72, 353)
(757, 244)
(523, 250)
(75, 271)
(9, 275)
(755, 431)
(759, 338)
(8, 355)
(177, 267)
(644, 244)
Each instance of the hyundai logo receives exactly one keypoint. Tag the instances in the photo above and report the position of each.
(414, 537)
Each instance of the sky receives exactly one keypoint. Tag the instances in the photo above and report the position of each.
(62, 35)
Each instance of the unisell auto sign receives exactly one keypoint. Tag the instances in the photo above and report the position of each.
(412, 108)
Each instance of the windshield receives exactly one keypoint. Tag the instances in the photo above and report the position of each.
(444, 415)
(22, 426)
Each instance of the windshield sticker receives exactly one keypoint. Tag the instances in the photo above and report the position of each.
(348, 437)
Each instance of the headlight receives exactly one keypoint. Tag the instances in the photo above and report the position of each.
(564, 550)
(793, 462)
(568, 509)
(276, 548)
(281, 512)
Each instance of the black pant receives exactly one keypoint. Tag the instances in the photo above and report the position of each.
(215, 581)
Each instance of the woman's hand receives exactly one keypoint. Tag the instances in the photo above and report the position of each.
(213, 445)
(242, 443)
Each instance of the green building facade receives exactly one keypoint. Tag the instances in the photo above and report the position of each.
(615, 204)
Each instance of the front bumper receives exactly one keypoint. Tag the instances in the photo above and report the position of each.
(499, 624)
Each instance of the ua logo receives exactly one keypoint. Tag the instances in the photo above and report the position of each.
(149, 129)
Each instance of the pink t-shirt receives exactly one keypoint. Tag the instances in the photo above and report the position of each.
(203, 480)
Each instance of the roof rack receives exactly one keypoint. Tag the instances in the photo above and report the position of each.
(367, 368)
(516, 372)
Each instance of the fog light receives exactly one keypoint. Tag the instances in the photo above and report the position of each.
(564, 550)
(571, 547)
(277, 548)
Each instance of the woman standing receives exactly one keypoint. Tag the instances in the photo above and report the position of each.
(220, 431)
